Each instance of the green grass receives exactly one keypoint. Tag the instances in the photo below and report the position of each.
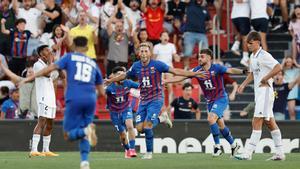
(109, 160)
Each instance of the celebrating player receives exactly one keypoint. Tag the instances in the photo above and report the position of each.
(121, 111)
(216, 97)
(82, 76)
(262, 68)
(149, 73)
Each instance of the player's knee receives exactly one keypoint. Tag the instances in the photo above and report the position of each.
(211, 118)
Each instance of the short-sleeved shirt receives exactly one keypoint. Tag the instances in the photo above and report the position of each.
(196, 17)
(118, 95)
(165, 53)
(154, 22)
(280, 92)
(240, 10)
(177, 11)
(32, 17)
(9, 108)
(260, 65)
(19, 43)
(45, 93)
(49, 22)
(87, 32)
(82, 76)
(183, 108)
(149, 78)
(212, 86)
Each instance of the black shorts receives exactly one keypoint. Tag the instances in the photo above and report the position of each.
(260, 24)
(242, 25)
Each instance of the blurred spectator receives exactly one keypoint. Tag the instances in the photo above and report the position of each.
(70, 13)
(118, 43)
(294, 29)
(32, 16)
(177, 35)
(154, 15)
(139, 36)
(290, 73)
(51, 16)
(281, 91)
(92, 11)
(3, 60)
(240, 18)
(133, 13)
(166, 52)
(176, 10)
(58, 42)
(106, 11)
(4, 94)
(6, 13)
(248, 111)
(197, 18)
(218, 5)
(283, 27)
(260, 19)
(185, 106)
(19, 38)
(9, 109)
(86, 30)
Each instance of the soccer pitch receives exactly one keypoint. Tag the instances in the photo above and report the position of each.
(112, 160)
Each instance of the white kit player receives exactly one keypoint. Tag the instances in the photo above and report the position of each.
(262, 69)
(45, 95)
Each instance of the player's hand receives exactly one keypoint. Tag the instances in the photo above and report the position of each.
(64, 28)
(202, 74)
(107, 82)
(241, 89)
(3, 21)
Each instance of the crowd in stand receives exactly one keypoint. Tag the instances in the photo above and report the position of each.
(115, 28)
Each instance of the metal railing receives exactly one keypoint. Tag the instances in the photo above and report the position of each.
(216, 32)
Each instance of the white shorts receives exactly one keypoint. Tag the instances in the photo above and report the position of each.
(46, 111)
(264, 100)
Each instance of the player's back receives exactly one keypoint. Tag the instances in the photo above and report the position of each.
(212, 86)
(82, 76)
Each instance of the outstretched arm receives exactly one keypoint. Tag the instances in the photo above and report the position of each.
(181, 72)
(236, 71)
(13, 77)
(175, 79)
(43, 72)
(122, 76)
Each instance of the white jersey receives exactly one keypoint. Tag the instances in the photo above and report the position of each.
(45, 93)
(261, 63)
(240, 9)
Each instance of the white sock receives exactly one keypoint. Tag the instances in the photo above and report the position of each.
(35, 142)
(46, 143)
(276, 136)
(254, 139)
(246, 55)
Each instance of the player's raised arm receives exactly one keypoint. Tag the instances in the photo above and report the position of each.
(40, 73)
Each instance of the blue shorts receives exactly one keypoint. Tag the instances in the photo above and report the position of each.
(119, 119)
(218, 106)
(149, 112)
(78, 113)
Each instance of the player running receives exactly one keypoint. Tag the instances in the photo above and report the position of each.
(120, 110)
(216, 97)
(149, 73)
(83, 75)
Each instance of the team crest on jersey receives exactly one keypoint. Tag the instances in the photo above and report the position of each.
(190, 104)
(152, 69)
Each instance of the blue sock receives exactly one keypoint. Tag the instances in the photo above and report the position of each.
(84, 147)
(155, 122)
(227, 135)
(76, 134)
(132, 144)
(214, 129)
(126, 146)
(149, 139)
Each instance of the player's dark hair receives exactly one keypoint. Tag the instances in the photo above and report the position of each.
(4, 90)
(40, 49)
(80, 41)
(253, 36)
(118, 68)
(207, 52)
(18, 21)
(186, 85)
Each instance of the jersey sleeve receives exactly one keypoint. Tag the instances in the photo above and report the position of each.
(162, 67)
(99, 79)
(62, 63)
(108, 89)
(269, 61)
(133, 84)
(174, 102)
(131, 71)
(221, 69)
